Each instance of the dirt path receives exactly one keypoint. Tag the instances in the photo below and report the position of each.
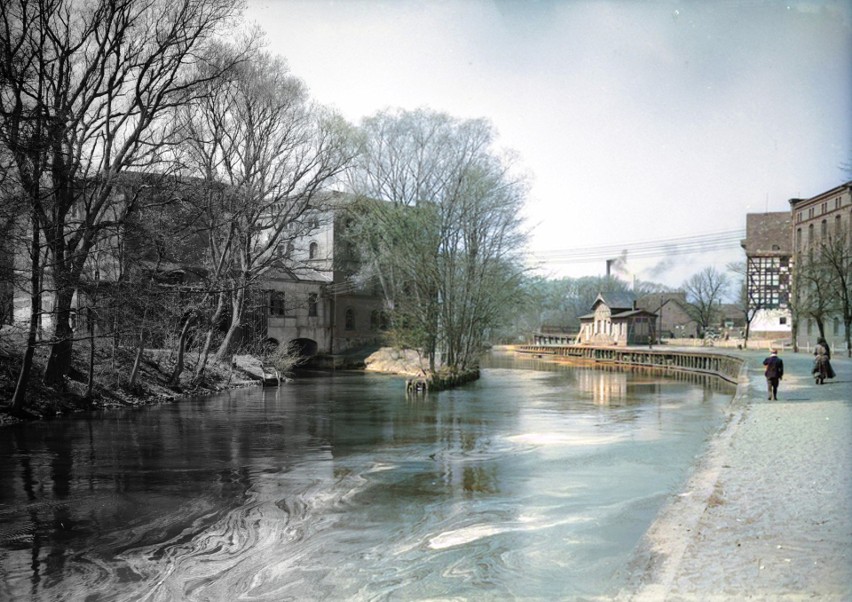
(768, 513)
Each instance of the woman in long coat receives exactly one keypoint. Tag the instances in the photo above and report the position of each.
(822, 363)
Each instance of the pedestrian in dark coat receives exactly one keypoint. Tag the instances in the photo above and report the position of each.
(822, 363)
(774, 373)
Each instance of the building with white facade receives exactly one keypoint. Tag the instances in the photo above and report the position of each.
(616, 320)
(768, 250)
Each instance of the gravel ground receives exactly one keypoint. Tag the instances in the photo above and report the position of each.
(767, 514)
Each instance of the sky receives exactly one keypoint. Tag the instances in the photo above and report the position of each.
(643, 126)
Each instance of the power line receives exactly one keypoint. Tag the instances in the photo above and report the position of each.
(683, 245)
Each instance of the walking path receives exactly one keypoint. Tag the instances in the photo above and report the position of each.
(768, 513)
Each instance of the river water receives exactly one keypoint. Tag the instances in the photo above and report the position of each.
(536, 482)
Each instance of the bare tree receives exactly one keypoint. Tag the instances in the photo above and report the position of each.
(816, 287)
(747, 301)
(704, 292)
(834, 262)
(257, 133)
(86, 87)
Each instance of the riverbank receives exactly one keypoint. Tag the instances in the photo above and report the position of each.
(767, 513)
(111, 389)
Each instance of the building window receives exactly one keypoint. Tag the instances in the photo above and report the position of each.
(823, 230)
(313, 250)
(349, 319)
(810, 235)
(276, 303)
(312, 305)
(782, 320)
(836, 327)
(810, 327)
(798, 239)
(837, 227)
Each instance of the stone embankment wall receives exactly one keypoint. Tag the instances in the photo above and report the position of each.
(724, 366)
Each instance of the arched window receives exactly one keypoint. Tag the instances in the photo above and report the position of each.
(313, 250)
(312, 305)
(349, 319)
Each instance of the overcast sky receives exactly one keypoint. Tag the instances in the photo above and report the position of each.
(637, 121)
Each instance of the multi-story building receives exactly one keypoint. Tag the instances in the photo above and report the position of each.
(317, 302)
(819, 222)
(308, 298)
(768, 250)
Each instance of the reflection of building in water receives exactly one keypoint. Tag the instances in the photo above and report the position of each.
(608, 387)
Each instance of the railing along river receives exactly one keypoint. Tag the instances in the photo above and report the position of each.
(724, 366)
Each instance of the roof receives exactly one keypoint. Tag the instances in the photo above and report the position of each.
(794, 203)
(622, 315)
(633, 313)
(768, 234)
(616, 301)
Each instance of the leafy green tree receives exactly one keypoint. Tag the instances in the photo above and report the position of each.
(439, 229)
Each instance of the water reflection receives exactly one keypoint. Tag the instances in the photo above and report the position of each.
(535, 481)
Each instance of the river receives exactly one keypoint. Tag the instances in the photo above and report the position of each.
(535, 482)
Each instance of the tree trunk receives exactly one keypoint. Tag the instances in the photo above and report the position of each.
(820, 326)
(208, 340)
(20, 395)
(90, 323)
(237, 302)
(174, 379)
(63, 346)
(140, 349)
(794, 332)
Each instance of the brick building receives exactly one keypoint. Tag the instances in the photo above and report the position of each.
(824, 219)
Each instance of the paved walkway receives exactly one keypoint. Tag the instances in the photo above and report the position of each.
(768, 513)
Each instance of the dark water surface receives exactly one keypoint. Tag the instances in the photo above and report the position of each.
(536, 482)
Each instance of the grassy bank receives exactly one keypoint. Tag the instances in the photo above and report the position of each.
(111, 383)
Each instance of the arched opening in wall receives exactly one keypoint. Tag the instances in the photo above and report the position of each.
(304, 348)
(269, 345)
